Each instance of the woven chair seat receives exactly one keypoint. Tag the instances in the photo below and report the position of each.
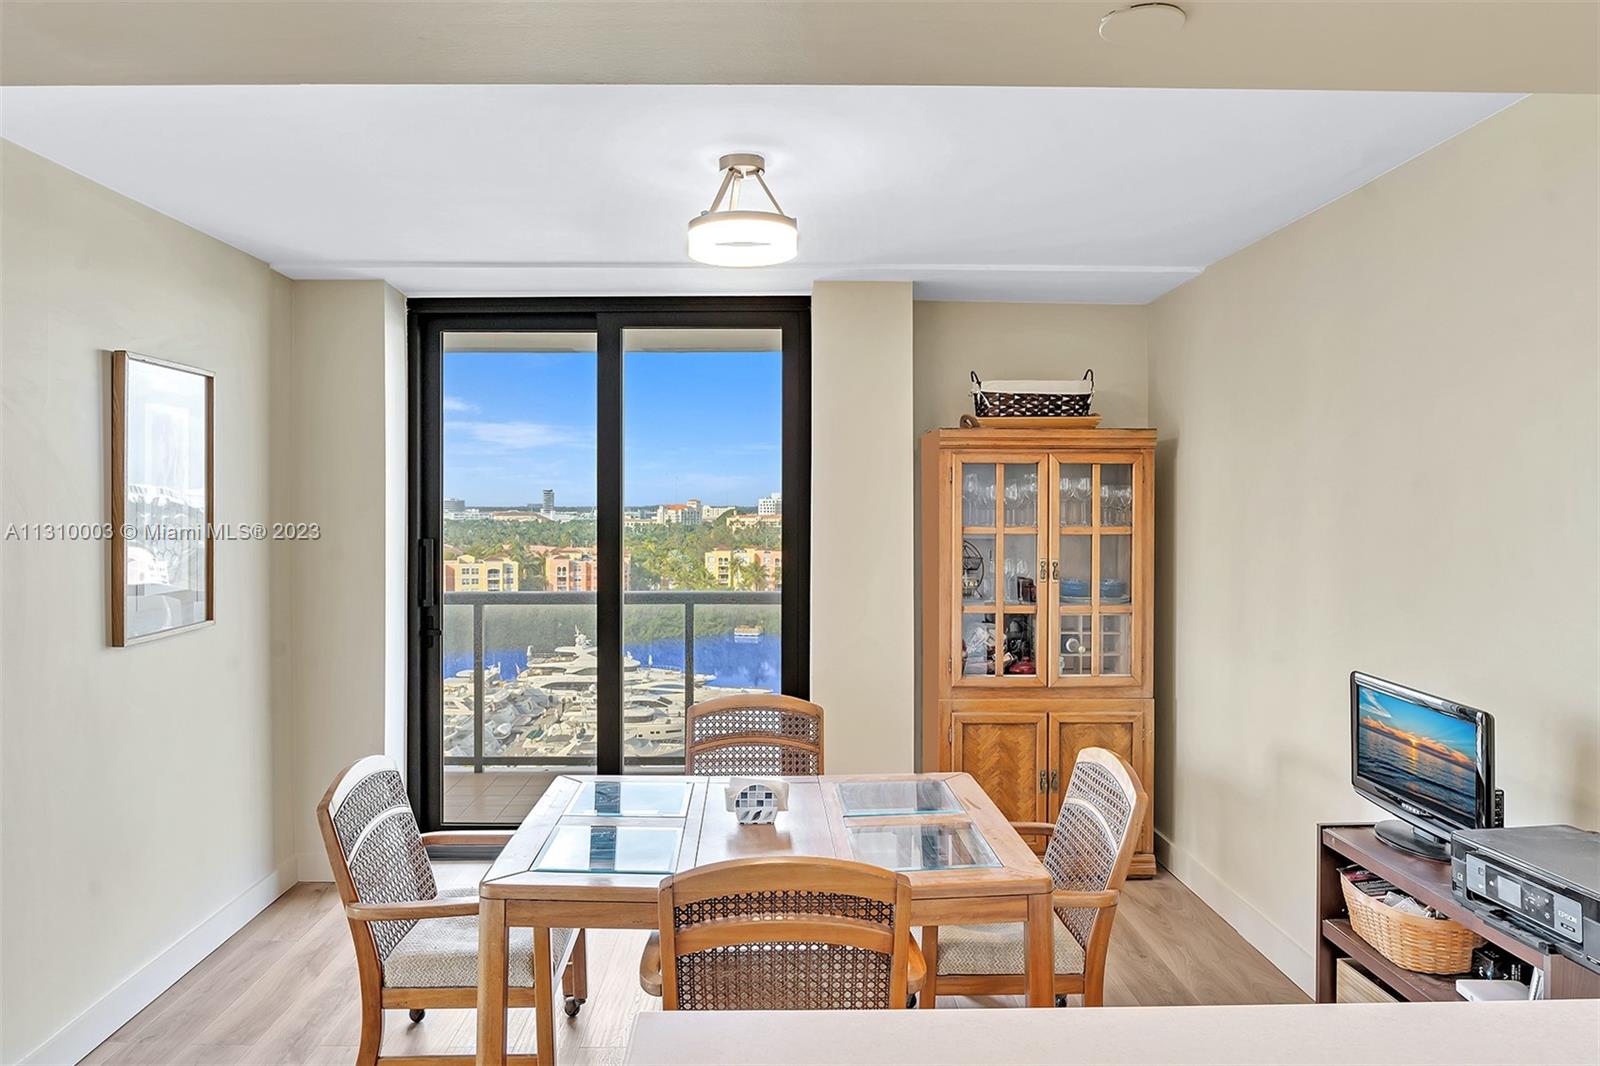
(1000, 949)
(650, 968)
(443, 952)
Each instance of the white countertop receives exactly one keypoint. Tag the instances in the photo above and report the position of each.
(1548, 1031)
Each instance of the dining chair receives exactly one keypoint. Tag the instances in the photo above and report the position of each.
(784, 933)
(417, 947)
(754, 733)
(1090, 846)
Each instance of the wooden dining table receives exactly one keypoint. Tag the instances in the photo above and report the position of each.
(593, 852)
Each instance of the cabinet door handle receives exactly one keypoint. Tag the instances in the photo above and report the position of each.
(1055, 569)
(1043, 778)
(1055, 781)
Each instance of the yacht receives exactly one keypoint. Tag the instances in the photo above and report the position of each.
(550, 707)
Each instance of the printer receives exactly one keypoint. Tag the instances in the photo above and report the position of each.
(1539, 883)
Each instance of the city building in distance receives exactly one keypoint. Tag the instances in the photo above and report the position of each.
(737, 567)
(467, 573)
(575, 570)
(679, 514)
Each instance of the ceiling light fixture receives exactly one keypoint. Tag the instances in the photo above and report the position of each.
(727, 236)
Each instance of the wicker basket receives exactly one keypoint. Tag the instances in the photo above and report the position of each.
(1427, 945)
(1032, 399)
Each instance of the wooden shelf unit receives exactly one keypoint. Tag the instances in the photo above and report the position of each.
(1429, 882)
(1012, 521)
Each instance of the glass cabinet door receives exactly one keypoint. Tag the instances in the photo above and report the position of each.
(1094, 571)
(1001, 569)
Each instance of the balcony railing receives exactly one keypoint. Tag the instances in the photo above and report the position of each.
(483, 603)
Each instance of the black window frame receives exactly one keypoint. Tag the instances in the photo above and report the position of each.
(607, 317)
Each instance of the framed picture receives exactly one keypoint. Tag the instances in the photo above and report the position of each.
(160, 494)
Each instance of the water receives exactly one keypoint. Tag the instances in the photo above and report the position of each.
(736, 663)
(1415, 772)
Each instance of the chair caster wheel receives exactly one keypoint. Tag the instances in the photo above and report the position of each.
(416, 1013)
(571, 1006)
(1061, 1001)
(911, 1001)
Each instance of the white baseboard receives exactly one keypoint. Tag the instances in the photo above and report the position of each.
(108, 1014)
(1281, 949)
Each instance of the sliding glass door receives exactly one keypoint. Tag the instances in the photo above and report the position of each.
(609, 513)
(702, 483)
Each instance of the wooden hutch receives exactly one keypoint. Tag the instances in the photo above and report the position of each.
(1038, 558)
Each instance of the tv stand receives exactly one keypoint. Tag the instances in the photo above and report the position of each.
(1412, 840)
(1429, 881)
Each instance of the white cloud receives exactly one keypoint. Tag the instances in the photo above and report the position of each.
(518, 436)
(1370, 702)
(458, 406)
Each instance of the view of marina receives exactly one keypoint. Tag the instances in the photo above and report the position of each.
(702, 549)
(539, 704)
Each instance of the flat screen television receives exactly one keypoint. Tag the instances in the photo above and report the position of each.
(1425, 759)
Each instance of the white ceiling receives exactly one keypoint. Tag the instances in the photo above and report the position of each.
(1048, 194)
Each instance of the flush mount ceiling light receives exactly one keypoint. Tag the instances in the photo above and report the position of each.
(727, 236)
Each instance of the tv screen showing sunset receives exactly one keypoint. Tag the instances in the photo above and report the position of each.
(1418, 752)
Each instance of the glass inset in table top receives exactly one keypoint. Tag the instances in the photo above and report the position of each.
(632, 799)
(860, 798)
(915, 846)
(587, 848)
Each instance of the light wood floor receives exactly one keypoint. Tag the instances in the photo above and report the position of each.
(282, 991)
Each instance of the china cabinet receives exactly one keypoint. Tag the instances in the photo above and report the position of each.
(1037, 580)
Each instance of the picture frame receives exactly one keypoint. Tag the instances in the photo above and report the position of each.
(161, 496)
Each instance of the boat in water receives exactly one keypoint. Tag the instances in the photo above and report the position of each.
(549, 709)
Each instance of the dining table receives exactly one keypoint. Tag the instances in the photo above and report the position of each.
(592, 854)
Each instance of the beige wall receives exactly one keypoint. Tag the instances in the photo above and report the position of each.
(862, 524)
(1379, 451)
(144, 797)
(344, 647)
(1030, 341)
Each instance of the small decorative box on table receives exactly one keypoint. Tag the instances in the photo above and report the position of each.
(757, 800)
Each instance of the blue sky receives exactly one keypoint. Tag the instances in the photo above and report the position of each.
(1421, 721)
(695, 424)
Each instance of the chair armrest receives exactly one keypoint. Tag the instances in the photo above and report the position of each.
(1095, 900)
(488, 838)
(1040, 828)
(420, 908)
(916, 969)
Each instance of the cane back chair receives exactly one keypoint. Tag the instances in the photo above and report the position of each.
(756, 733)
(784, 933)
(417, 947)
(1090, 846)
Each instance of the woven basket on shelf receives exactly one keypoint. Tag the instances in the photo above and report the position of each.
(1032, 399)
(1427, 945)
